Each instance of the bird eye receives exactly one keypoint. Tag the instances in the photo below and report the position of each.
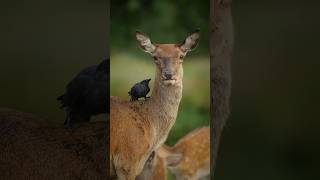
(155, 58)
(181, 57)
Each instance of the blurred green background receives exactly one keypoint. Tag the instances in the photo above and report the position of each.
(44, 44)
(164, 22)
(274, 130)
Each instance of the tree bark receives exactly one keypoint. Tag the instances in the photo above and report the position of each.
(221, 49)
(32, 148)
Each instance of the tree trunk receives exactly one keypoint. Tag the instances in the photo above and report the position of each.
(32, 148)
(221, 48)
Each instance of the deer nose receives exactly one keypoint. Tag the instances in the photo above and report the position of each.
(168, 75)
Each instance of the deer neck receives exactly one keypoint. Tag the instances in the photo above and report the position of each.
(164, 104)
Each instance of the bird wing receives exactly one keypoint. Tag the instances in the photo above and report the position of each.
(77, 89)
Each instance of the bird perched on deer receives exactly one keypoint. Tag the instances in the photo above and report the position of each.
(87, 94)
(139, 90)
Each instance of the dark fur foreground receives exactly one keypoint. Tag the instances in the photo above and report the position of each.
(32, 148)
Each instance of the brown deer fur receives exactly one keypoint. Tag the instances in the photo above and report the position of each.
(156, 169)
(195, 150)
(138, 128)
(189, 159)
(32, 148)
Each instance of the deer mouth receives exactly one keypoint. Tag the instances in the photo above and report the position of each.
(169, 82)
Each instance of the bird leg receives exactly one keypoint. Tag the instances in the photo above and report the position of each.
(133, 99)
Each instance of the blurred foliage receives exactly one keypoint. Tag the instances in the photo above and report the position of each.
(44, 44)
(273, 131)
(165, 21)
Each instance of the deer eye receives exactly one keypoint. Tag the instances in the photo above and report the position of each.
(156, 60)
(181, 58)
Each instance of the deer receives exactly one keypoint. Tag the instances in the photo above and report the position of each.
(195, 151)
(188, 159)
(139, 128)
(155, 168)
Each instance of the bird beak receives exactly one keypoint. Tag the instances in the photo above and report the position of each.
(148, 80)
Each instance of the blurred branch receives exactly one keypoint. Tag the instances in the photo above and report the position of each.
(221, 48)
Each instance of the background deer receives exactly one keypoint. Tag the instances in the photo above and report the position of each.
(189, 159)
(139, 128)
(195, 151)
(155, 168)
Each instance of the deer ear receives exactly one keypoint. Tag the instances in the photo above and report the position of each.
(191, 41)
(173, 159)
(145, 42)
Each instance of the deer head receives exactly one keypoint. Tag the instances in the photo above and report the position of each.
(169, 57)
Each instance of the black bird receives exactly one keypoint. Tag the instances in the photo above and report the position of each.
(87, 94)
(139, 90)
